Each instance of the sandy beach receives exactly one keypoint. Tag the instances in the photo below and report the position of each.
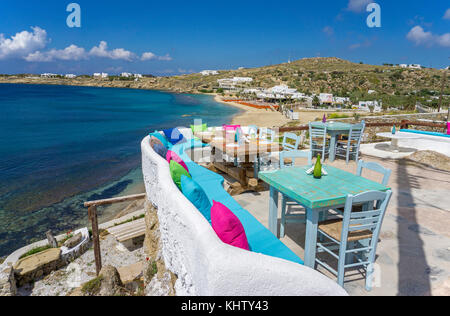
(268, 118)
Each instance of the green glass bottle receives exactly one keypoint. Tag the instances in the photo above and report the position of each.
(318, 168)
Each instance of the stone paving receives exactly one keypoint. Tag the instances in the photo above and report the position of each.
(413, 255)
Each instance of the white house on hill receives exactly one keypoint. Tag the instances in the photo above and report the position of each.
(367, 105)
(101, 75)
(209, 72)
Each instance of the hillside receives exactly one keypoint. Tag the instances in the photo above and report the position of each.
(315, 75)
(310, 75)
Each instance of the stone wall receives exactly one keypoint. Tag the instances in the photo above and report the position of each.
(7, 282)
(157, 279)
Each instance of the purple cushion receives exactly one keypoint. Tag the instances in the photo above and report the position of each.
(160, 150)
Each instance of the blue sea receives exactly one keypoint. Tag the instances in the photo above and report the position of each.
(61, 146)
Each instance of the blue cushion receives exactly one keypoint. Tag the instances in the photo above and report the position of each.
(194, 193)
(161, 138)
(173, 135)
(160, 150)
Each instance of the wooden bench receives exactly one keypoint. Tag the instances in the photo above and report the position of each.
(129, 231)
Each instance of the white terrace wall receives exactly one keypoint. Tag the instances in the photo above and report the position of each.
(206, 266)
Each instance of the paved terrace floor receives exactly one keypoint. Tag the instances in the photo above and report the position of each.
(414, 249)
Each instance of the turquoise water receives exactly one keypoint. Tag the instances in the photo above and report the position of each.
(61, 146)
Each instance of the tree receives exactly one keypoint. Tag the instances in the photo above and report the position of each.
(316, 101)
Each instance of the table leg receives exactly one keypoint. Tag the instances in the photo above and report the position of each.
(394, 145)
(312, 219)
(273, 211)
(333, 147)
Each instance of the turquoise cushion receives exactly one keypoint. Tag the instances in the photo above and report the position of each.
(163, 140)
(194, 193)
(260, 239)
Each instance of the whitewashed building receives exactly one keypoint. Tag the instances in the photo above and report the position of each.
(367, 105)
(341, 100)
(101, 75)
(209, 72)
(70, 76)
(49, 75)
(326, 98)
(231, 83)
(126, 75)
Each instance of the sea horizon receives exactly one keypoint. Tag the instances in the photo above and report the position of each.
(64, 145)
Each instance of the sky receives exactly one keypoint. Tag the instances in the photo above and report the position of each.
(177, 37)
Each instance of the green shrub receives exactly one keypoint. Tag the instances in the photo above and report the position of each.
(35, 251)
(93, 286)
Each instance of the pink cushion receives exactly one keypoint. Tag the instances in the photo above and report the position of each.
(228, 227)
(448, 128)
(231, 127)
(173, 156)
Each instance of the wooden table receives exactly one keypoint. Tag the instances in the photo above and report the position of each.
(315, 195)
(246, 172)
(334, 129)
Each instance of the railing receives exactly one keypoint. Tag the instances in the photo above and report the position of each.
(403, 125)
(92, 211)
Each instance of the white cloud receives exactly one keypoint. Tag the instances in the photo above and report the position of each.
(447, 14)
(102, 51)
(72, 52)
(358, 6)
(420, 37)
(23, 43)
(150, 56)
(328, 30)
(444, 40)
(29, 46)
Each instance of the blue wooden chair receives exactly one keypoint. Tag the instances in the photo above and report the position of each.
(291, 142)
(350, 147)
(374, 167)
(267, 134)
(253, 131)
(356, 229)
(298, 218)
(318, 140)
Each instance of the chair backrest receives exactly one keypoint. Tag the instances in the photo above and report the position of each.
(253, 131)
(291, 141)
(356, 133)
(371, 218)
(317, 132)
(294, 154)
(265, 132)
(374, 167)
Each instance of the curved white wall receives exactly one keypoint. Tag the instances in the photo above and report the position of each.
(206, 266)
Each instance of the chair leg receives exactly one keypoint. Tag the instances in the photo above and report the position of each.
(283, 216)
(370, 269)
(341, 263)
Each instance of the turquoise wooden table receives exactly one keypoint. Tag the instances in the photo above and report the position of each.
(315, 195)
(334, 129)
